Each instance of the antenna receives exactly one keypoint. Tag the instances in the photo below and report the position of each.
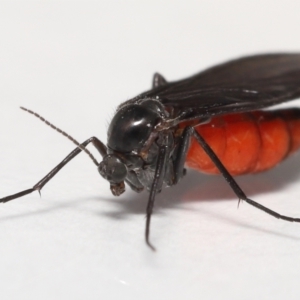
(63, 133)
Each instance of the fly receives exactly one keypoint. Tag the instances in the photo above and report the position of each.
(212, 122)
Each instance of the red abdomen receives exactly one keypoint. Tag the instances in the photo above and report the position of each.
(247, 142)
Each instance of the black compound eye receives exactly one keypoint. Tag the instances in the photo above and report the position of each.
(131, 127)
(112, 169)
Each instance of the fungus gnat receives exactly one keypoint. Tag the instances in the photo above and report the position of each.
(211, 122)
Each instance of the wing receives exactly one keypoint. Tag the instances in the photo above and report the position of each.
(244, 84)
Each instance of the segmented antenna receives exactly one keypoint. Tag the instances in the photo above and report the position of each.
(63, 133)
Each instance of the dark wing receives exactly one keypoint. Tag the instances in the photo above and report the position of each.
(244, 84)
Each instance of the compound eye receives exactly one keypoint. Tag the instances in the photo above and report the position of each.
(112, 169)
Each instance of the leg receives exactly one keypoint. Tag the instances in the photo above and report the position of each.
(182, 153)
(53, 172)
(234, 186)
(158, 80)
(156, 186)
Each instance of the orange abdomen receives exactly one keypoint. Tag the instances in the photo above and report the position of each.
(247, 142)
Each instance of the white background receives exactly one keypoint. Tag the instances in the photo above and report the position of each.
(74, 62)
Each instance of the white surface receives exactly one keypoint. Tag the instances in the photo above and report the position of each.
(74, 62)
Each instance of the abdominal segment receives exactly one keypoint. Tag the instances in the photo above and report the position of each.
(247, 142)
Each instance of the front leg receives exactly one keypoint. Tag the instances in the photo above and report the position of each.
(155, 187)
(183, 147)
